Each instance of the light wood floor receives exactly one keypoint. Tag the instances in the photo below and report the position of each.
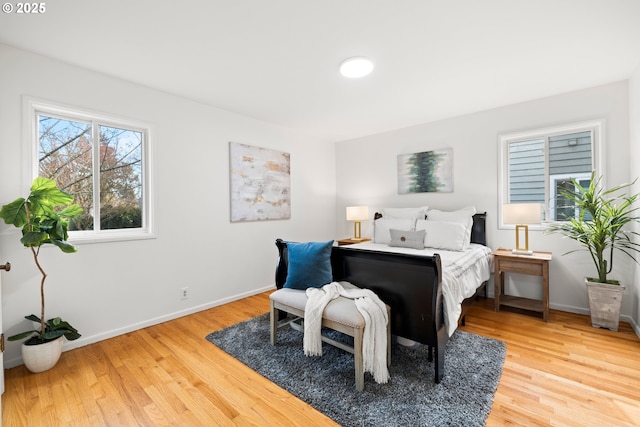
(561, 373)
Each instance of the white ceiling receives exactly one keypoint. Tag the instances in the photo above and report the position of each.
(277, 60)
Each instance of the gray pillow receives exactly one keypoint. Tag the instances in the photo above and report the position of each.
(407, 239)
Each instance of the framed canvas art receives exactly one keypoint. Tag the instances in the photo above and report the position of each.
(260, 183)
(429, 171)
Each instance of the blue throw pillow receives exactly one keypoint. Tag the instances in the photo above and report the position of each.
(309, 265)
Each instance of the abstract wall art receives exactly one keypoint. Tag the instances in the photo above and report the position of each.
(260, 183)
(429, 171)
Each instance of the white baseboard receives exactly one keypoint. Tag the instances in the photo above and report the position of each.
(579, 310)
(86, 340)
(634, 325)
(570, 309)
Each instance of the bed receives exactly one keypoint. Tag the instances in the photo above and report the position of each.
(411, 283)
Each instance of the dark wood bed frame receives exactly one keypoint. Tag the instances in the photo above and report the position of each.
(410, 284)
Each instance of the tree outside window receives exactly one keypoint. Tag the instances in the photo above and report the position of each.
(100, 164)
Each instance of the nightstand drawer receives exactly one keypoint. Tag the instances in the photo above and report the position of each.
(521, 267)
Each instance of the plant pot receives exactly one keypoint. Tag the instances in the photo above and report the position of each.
(42, 357)
(604, 303)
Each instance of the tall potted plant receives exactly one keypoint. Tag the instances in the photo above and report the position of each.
(601, 227)
(44, 219)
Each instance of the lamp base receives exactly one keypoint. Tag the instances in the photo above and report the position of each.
(521, 252)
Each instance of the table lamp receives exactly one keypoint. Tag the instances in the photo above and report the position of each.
(357, 214)
(521, 214)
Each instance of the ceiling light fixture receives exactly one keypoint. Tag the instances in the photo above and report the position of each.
(356, 67)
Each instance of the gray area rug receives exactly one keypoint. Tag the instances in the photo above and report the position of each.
(473, 366)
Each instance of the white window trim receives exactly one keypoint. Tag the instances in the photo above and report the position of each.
(597, 153)
(32, 106)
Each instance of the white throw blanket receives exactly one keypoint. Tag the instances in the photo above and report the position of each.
(374, 311)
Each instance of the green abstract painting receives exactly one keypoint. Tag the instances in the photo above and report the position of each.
(429, 171)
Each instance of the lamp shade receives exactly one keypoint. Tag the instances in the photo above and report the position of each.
(357, 213)
(521, 213)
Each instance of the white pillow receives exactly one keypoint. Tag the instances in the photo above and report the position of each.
(451, 236)
(415, 213)
(463, 216)
(381, 227)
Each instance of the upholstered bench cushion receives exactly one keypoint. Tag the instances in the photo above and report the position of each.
(340, 314)
(341, 310)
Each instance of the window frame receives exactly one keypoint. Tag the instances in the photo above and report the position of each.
(597, 129)
(34, 107)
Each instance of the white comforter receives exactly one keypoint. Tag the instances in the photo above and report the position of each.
(462, 273)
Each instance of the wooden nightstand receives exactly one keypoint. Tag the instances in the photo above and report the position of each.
(535, 265)
(351, 241)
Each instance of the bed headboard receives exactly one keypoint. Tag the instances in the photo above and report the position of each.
(478, 231)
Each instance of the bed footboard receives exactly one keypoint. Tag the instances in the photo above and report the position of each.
(411, 285)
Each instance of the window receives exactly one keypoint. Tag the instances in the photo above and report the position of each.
(536, 165)
(559, 207)
(103, 163)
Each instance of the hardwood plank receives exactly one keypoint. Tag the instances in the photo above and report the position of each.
(562, 373)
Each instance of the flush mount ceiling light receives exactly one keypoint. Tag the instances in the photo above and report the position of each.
(355, 67)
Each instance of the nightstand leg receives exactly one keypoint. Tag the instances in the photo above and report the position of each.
(497, 285)
(545, 291)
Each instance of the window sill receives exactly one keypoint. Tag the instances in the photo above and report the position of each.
(81, 238)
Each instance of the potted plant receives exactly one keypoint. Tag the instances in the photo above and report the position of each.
(44, 219)
(601, 226)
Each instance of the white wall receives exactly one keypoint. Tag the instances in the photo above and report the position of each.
(634, 160)
(110, 288)
(366, 174)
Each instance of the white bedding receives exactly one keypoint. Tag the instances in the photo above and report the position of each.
(462, 273)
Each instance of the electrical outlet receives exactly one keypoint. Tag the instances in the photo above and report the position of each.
(184, 293)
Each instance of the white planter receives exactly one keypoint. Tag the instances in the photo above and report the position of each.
(42, 357)
(604, 303)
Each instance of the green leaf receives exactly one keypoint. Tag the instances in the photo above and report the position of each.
(14, 213)
(33, 318)
(38, 218)
(51, 335)
(39, 207)
(66, 326)
(57, 327)
(71, 211)
(54, 328)
(41, 184)
(50, 196)
(72, 335)
(66, 247)
(34, 238)
(58, 231)
(22, 335)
